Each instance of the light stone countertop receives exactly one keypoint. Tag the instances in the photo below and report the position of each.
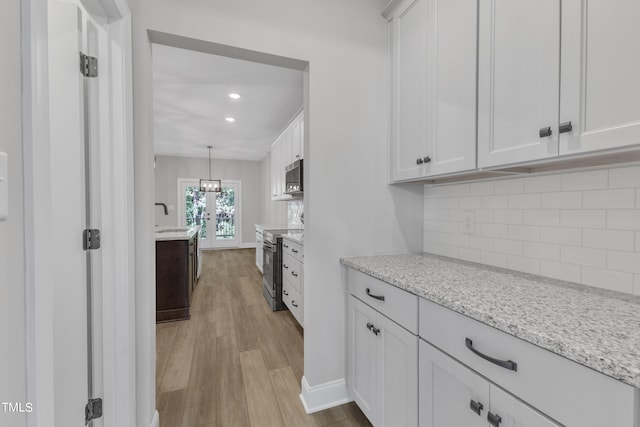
(295, 236)
(597, 328)
(176, 233)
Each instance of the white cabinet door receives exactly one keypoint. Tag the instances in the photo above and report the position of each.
(362, 351)
(277, 169)
(511, 412)
(295, 150)
(451, 395)
(408, 52)
(398, 380)
(259, 261)
(600, 91)
(451, 85)
(519, 80)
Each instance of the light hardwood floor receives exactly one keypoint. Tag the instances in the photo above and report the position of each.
(235, 363)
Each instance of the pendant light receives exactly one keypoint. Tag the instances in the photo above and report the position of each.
(210, 185)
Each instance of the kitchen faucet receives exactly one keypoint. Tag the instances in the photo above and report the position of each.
(166, 211)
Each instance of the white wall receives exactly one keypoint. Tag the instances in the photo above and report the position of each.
(170, 169)
(583, 227)
(13, 376)
(349, 209)
(274, 213)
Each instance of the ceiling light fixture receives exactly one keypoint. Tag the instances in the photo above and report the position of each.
(234, 96)
(230, 119)
(210, 185)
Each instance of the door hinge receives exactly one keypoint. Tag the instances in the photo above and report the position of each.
(93, 410)
(91, 239)
(88, 65)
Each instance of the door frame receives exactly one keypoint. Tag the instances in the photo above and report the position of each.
(118, 329)
(238, 216)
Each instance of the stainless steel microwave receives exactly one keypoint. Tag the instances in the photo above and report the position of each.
(293, 179)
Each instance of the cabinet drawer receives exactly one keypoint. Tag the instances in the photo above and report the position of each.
(292, 270)
(293, 249)
(293, 300)
(398, 305)
(566, 391)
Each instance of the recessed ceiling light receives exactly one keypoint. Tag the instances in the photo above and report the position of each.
(230, 119)
(234, 96)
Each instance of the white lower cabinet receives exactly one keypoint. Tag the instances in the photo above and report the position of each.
(452, 395)
(382, 366)
(259, 242)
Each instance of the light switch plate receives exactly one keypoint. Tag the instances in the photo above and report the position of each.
(468, 222)
(4, 186)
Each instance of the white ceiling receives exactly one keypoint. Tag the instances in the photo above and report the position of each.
(191, 101)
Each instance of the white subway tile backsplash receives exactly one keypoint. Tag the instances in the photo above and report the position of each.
(624, 177)
(582, 227)
(481, 188)
(495, 259)
(545, 251)
(498, 231)
(583, 256)
(471, 202)
(527, 265)
(494, 202)
(508, 216)
(524, 201)
(548, 217)
(623, 219)
(469, 254)
(542, 184)
(624, 261)
(591, 180)
(562, 200)
(609, 199)
(509, 186)
(509, 247)
(583, 218)
(560, 271)
(607, 279)
(481, 243)
(609, 239)
(529, 233)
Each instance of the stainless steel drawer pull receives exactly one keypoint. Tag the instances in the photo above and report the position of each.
(285, 266)
(293, 273)
(378, 297)
(507, 364)
(476, 407)
(494, 419)
(285, 292)
(286, 246)
(295, 251)
(373, 328)
(293, 303)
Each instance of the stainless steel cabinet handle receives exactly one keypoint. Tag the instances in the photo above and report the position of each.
(494, 419)
(295, 251)
(507, 364)
(293, 273)
(427, 159)
(378, 297)
(476, 407)
(285, 266)
(285, 245)
(545, 132)
(565, 127)
(293, 303)
(285, 292)
(419, 161)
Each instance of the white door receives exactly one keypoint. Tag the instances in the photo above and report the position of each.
(451, 85)
(513, 413)
(362, 356)
(223, 217)
(451, 395)
(76, 132)
(408, 133)
(600, 92)
(398, 382)
(518, 80)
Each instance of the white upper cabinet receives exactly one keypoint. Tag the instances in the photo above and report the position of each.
(285, 150)
(519, 81)
(600, 91)
(433, 87)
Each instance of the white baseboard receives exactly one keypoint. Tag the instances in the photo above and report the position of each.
(323, 396)
(155, 422)
(247, 245)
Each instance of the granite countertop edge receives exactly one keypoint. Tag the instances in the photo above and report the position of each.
(177, 235)
(628, 373)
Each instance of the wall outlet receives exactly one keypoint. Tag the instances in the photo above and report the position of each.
(468, 222)
(4, 187)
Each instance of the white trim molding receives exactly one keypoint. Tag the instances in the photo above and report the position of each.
(323, 396)
(155, 422)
